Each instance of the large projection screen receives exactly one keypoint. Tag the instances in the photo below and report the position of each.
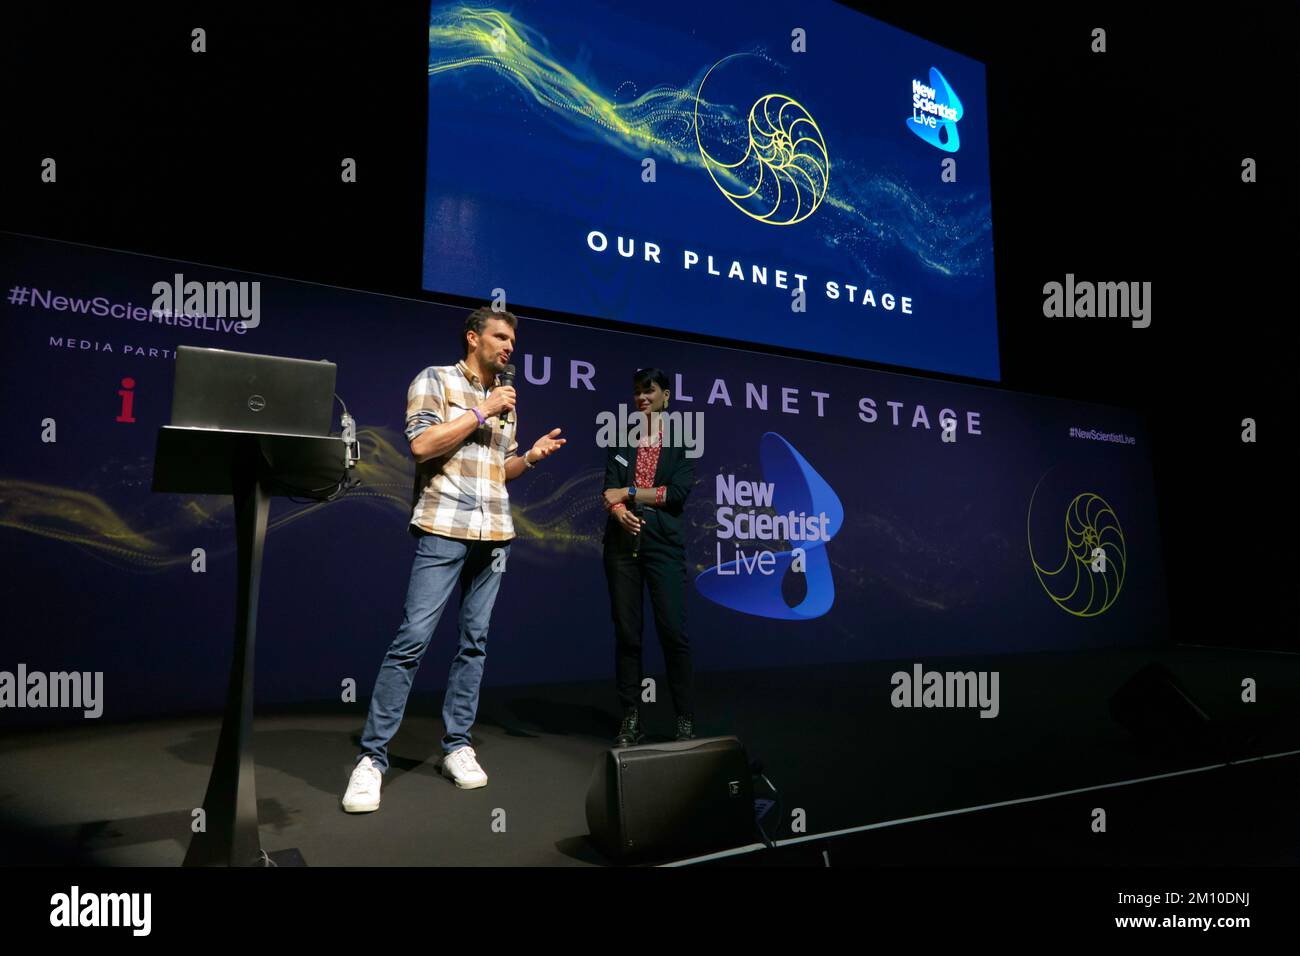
(800, 176)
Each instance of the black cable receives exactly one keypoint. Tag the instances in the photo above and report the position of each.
(299, 495)
(770, 841)
(312, 495)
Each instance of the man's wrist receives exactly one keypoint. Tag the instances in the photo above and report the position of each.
(479, 415)
(528, 462)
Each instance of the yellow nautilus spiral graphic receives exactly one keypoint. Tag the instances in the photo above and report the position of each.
(782, 177)
(1083, 585)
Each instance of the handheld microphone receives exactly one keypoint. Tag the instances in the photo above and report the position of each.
(506, 377)
(636, 538)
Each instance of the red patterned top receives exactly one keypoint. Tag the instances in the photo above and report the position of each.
(647, 462)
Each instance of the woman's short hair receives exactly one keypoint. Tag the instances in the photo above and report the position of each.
(644, 376)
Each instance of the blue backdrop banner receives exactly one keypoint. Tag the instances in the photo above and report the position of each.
(837, 514)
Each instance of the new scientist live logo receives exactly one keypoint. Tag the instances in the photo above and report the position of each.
(792, 504)
(935, 112)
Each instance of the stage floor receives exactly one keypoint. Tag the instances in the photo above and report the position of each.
(122, 795)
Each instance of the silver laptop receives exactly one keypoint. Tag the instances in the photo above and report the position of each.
(239, 391)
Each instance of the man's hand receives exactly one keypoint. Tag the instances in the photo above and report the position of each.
(500, 399)
(614, 495)
(547, 445)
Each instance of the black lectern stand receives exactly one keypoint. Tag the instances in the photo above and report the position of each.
(252, 466)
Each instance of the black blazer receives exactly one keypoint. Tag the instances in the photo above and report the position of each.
(663, 528)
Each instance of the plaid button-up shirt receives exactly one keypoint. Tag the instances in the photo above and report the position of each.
(463, 493)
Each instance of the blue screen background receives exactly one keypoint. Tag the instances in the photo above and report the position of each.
(537, 135)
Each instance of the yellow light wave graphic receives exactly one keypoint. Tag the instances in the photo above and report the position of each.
(482, 37)
(663, 120)
(150, 533)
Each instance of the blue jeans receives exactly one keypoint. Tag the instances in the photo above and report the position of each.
(440, 565)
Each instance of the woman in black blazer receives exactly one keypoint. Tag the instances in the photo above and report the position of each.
(645, 544)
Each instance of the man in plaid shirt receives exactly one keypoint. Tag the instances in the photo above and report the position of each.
(462, 434)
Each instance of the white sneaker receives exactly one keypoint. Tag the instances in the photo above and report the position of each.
(461, 766)
(363, 788)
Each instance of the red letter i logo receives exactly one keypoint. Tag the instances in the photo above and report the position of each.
(128, 399)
